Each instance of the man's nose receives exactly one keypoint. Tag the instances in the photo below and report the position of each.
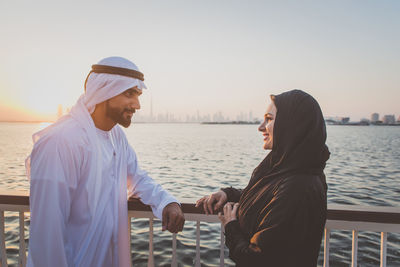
(135, 105)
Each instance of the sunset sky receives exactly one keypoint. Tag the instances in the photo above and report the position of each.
(205, 56)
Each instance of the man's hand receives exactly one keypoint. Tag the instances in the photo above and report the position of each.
(172, 218)
(230, 210)
(212, 202)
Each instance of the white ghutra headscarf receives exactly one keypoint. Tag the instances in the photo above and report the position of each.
(103, 86)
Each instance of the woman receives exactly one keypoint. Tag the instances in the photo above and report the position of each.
(280, 216)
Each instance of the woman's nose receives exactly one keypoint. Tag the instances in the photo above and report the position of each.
(261, 128)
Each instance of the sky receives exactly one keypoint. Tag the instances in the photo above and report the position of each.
(204, 56)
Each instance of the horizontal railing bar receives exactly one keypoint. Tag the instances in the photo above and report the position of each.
(333, 206)
(389, 215)
(140, 214)
(202, 217)
(11, 207)
(188, 216)
(362, 226)
(346, 213)
(383, 215)
(14, 198)
(364, 215)
(136, 204)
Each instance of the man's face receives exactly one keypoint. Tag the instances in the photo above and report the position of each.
(120, 108)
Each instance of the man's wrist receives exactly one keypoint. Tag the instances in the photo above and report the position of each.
(174, 202)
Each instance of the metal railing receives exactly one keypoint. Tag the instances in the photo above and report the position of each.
(340, 217)
(361, 218)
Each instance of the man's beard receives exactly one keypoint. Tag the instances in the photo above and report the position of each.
(117, 115)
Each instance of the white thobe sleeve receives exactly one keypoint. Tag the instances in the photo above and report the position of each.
(53, 169)
(141, 185)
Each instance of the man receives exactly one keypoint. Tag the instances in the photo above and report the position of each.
(80, 170)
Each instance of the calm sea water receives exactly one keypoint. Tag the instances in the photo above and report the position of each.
(192, 160)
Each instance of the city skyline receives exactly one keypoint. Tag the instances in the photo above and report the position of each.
(243, 116)
(225, 56)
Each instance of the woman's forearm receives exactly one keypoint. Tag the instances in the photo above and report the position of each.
(232, 193)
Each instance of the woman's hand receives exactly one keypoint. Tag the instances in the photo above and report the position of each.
(212, 202)
(229, 215)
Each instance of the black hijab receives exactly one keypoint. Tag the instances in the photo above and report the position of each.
(298, 148)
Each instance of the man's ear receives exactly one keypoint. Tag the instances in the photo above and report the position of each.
(100, 107)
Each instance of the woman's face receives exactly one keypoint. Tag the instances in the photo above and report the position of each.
(267, 126)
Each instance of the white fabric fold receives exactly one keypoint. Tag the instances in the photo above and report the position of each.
(80, 113)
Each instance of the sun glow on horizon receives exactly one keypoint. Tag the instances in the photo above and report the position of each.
(40, 102)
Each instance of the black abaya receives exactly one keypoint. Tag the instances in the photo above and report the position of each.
(282, 211)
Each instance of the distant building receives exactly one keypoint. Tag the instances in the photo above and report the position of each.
(251, 116)
(389, 119)
(337, 120)
(374, 117)
(218, 117)
(398, 119)
(345, 120)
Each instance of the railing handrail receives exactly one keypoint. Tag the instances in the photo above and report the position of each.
(373, 214)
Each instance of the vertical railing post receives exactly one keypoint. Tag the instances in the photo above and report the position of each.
(150, 262)
(354, 250)
(222, 247)
(22, 246)
(130, 239)
(174, 261)
(197, 264)
(326, 247)
(3, 253)
(383, 249)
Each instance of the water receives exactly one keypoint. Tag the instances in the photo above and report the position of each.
(192, 160)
